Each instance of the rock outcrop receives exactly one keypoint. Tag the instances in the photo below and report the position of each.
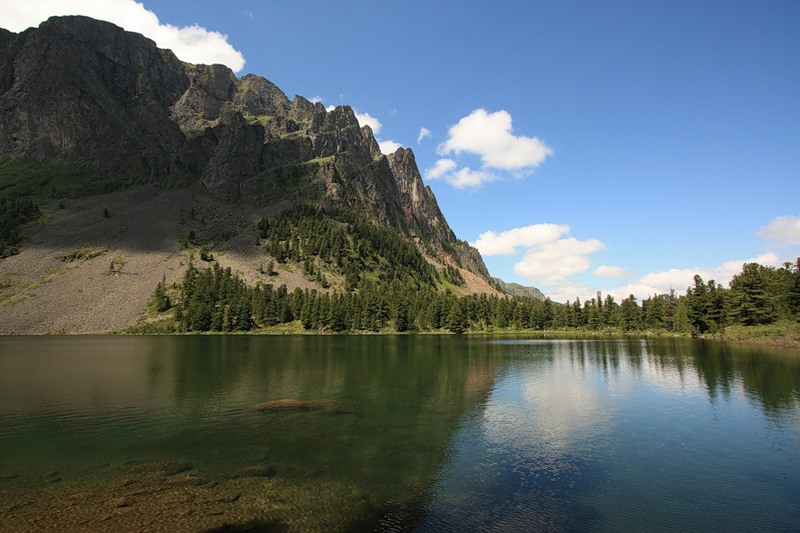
(80, 92)
(85, 93)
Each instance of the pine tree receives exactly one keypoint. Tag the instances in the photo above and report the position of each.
(698, 305)
(160, 298)
(629, 314)
(794, 291)
(750, 302)
(456, 320)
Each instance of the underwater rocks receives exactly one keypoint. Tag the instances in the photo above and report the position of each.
(298, 405)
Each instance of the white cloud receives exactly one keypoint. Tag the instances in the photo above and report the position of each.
(609, 272)
(550, 263)
(365, 119)
(316, 99)
(440, 169)
(506, 242)
(330, 108)
(466, 178)
(550, 257)
(190, 43)
(556, 284)
(490, 136)
(784, 231)
(389, 147)
(423, 133)
(681, 278)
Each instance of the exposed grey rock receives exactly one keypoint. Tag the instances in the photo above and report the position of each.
(86, 93)
(236, 156)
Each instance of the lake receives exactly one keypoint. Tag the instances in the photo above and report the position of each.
(398, 433)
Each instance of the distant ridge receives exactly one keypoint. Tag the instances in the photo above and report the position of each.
(515, 289)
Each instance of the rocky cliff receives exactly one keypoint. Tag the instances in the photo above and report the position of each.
(83, 93)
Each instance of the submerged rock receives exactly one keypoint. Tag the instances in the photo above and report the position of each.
(256, 471)
(186, 481)
(228, 497)
(167, 468)
(122, 501)
(298, 405)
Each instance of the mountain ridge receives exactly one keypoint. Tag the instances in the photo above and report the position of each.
(148, 161)
(125, 107)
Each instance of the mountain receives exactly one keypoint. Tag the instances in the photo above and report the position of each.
(515, 289)
(88, 109)
(81, 92)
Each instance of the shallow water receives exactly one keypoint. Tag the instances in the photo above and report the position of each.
(407, 433)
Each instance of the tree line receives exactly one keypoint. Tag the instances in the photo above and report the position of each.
(757, 295)
(215, 299)
(388, 285)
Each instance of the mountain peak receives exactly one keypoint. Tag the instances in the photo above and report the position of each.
(84, 93)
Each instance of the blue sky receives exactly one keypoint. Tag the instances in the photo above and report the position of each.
(615, 146)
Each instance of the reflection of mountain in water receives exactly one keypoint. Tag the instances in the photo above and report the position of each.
(363, 426)
(392, 404)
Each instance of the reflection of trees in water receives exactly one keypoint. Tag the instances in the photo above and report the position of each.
(770, 378)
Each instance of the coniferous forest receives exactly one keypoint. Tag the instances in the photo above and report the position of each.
(389, 286)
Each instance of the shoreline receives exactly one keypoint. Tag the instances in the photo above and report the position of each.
(779, 335)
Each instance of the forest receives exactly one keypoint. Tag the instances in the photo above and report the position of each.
(389, 286)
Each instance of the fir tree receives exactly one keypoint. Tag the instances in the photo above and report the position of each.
(750, 302)
(456, 320)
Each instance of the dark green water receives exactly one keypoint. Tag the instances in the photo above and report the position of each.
(408, 433)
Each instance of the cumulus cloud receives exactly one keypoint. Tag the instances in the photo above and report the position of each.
(441, 168)
(550, 257)
(466, 178)
(609, 272)
(507, 242)
(316, 100)
(783, 231)
(490, 136)
(194, 43)
(423, 134)
(365, 119)
(389, 147)
(463, 178)
(551, 263)
(560, 288)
